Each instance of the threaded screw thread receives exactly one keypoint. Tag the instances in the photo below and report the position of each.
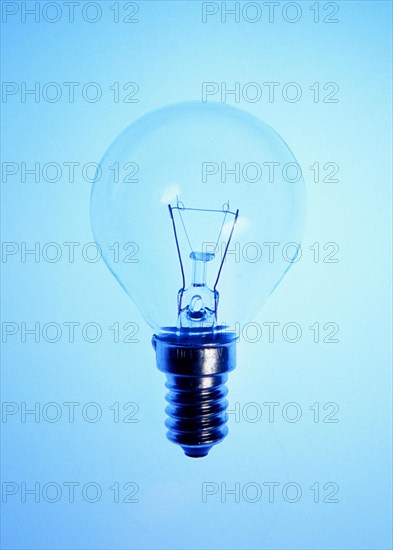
(196, 412)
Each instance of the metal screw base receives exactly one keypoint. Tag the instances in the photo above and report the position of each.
(197, 412)
(197, 369)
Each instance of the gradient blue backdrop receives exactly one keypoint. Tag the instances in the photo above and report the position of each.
(169, 53)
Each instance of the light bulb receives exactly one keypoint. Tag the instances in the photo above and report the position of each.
(200, 196)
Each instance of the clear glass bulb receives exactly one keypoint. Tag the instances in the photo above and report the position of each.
(198, 194)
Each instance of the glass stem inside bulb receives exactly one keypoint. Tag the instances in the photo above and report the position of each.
(198, 302)
(198, 273)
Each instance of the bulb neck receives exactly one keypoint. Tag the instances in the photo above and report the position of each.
(197, 370)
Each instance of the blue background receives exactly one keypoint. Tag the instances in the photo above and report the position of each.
(169, 53)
